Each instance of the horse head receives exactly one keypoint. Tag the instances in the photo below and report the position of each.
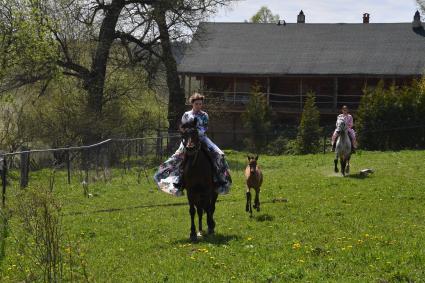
(341, 127)
(190, 136)
(252, 162)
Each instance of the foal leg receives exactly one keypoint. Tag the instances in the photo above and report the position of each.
(257, 199)
(248, 200)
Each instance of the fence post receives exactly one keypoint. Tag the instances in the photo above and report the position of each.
(25, 164)
(158, 146)
(68, 167)
(3, 179)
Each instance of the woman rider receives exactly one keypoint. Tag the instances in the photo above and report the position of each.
(169, 175)
(348, 119)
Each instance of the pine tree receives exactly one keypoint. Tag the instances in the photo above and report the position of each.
(256, 118)
(309, 131)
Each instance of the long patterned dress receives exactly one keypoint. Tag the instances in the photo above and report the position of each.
(348, 119)
(169, 173)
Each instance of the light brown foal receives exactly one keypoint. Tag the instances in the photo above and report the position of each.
(254, 180)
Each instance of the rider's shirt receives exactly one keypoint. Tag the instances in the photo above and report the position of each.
(202, 123)
(348, 119)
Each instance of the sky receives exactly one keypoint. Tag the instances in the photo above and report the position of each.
(323, 11)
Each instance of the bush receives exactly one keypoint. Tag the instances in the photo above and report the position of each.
(256, 119)
(309, 131)
(392, 118)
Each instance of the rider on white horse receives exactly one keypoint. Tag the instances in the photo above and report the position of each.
(348, 119)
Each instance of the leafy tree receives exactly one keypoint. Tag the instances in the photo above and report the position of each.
(264, 15)
(257, 118)
(27, 50)
(421, 4)
(309, 131)
(88, 32)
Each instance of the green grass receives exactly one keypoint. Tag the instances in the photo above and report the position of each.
(331, 228)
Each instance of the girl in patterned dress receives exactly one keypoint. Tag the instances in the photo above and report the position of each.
(348, 119)
(169, 175)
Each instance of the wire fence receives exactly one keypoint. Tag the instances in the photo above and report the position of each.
(91, 163)
(88, 163)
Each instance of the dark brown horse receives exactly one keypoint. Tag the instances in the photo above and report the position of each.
(198, 179)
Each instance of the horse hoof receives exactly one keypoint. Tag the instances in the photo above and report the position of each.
(247, 208)
(211, 232)
(258, 208)
(254, 206)
(336, 170)
(193, 238)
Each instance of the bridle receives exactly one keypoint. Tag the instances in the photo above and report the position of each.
(192, 151)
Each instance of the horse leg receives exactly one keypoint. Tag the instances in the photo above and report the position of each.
(347, 168)
(257, 199)
(210, 213)
(192, 212)
(200, 212)
(343, 164)
(336, 164)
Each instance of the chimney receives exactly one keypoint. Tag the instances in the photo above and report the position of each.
(301, 18)
(417, 20)
(366, 17)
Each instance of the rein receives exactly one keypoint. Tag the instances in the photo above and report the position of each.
(195, 159)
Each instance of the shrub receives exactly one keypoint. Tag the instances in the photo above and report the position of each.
(392, 118)
(42, 249)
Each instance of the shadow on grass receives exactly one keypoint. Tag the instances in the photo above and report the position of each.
(216, 239)
(264, 217)
(127, 208)
(357, 176)
(173, 204)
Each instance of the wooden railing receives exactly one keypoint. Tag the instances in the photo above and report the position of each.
(280, 102)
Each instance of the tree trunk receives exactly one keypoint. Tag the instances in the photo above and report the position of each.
(94, 83)
(176, 100)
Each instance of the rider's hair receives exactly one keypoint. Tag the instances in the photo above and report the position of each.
(344, 107)
(196, 96)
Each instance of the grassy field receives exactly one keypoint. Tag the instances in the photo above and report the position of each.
(331, 229)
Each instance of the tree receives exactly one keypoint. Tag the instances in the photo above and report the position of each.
(145, 28)
(264, 15)
(421, 4)
(309, 131)
(257, 118)
(27, 50)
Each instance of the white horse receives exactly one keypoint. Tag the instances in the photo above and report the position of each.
(343, 148)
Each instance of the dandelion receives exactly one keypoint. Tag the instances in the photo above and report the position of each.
(296, 246)
(301, 260)
(192, 257)
(249, 238)
(349, 247)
